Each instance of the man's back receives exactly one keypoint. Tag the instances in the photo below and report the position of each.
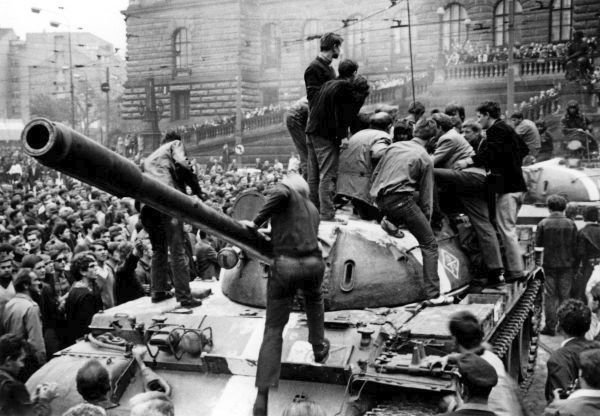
(450, 148)
(563, 365)
(558, 235)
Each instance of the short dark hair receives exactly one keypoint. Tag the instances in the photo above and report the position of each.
(98, 242)
(574, 317)
(171, 136)
(590, 214)
(454, 109)
(81, 263)
(93, 380)
(97, 233)
(517, 114)
(402, 128)
(347, 68)
(465, 327)
(360, 85)
(443, 121)
(11, 347)
(473, 125)
(37, 233)
(22, 280)
(330, 40)
(491, 108)
(589, 362)
(556, 202)
(88, 224)
(416, 108)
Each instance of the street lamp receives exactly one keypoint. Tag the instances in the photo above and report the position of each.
(56, 24)
(468, 23)
(441, 12)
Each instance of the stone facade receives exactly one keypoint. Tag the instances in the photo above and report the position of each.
(204, 54)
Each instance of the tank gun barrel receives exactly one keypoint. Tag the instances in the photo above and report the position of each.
(63, 149)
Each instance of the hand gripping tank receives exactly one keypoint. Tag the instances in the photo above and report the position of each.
(385, 340)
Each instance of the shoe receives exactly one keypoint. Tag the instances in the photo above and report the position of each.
(390, 228)
(548, 331)
(191, 303)
(261, 404)
(439, 301)
(160, 296)
(321, 351)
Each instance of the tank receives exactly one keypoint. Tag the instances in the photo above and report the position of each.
(385, 339)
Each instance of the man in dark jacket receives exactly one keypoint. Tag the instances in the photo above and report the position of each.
(319, 71)
(336, 107)
(586, 400)
(169, 165)
(557, 234)
(574, 319)
(502, 154)
(298, 265)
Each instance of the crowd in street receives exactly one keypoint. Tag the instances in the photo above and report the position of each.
(68, 251)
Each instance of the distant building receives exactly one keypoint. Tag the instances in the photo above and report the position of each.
(40, 65)
(203, 54)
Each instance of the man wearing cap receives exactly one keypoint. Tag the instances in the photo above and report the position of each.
(478, 378)
(468, 336)
(7, 289)
(22, 315)
(357, 162)
(405, 170)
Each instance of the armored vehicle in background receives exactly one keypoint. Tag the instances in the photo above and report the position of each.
(385, 339)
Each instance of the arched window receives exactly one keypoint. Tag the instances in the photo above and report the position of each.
(560, 20)
(355, 39)
(501, 22)
(271, 46)
(181, 50)
(454, 30)
(311, 35)
(399, 46)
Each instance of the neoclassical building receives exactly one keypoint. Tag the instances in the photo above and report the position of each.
(209, 57)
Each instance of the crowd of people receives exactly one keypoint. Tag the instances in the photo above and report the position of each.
(68, 250)
(469, 53)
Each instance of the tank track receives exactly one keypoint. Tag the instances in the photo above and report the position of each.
(530, 302)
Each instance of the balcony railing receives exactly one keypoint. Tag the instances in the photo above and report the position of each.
(398, 93)
(526, 67)
(209, 132)
(266, 120)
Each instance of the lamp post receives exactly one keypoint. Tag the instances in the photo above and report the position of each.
(441, 12)
(55, 24)
(510, 71)
(468, 23)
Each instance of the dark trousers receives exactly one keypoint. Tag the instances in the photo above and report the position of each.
(470, 188)
(366, 211)
(581, 279)
(557, 289)
(402, 209)
(323, 160)
(296, 129)
(288, 275)
(166, 235)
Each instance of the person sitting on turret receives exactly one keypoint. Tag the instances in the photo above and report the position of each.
(405, 170)
(546, 142)
(357, 162)
(298, 265)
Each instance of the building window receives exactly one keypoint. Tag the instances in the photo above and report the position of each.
(311, 36)
(560, 20)
(180, 105)
(356, 39)
(501, 22)
(181, 50)
(270, 96)
(400, 47)
(454, 30)
(271, 46)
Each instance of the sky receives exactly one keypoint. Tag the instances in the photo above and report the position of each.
(100, 17)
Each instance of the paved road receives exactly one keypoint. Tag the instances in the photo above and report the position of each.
(534, 400)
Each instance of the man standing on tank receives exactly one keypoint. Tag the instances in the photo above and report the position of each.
(298, 264)
(169, 165)
(319, 71)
